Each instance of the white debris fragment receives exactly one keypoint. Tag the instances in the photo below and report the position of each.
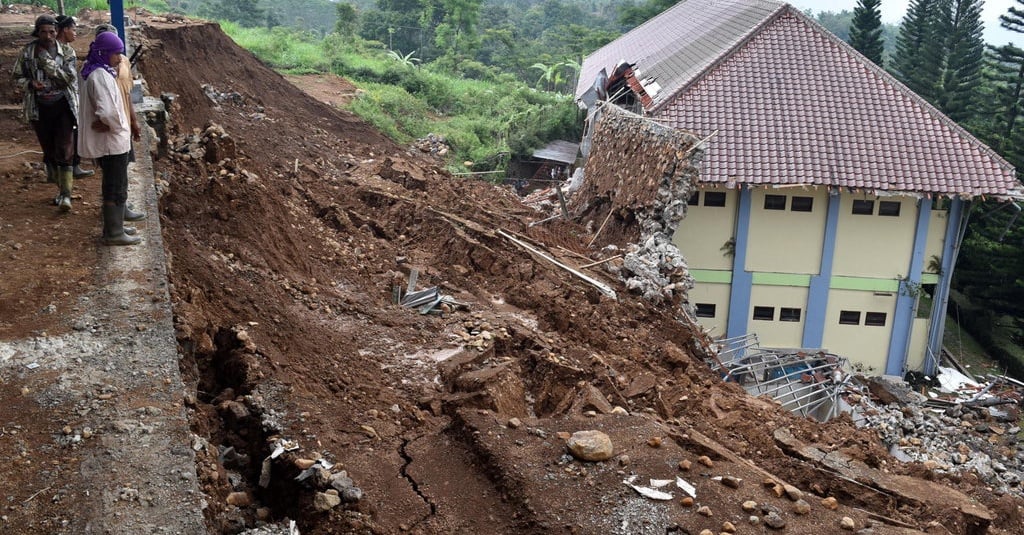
(686, 487)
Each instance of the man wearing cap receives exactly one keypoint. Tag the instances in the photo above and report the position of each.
(46, 72)
(67, 28)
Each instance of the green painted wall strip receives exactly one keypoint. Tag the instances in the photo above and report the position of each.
(861, 283)
(711, 275)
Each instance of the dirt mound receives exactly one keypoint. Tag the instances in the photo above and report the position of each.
(293, 230)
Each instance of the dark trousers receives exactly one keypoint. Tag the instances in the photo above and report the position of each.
(115, 178)
(55, 131)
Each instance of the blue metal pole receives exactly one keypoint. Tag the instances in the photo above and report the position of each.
(117, 17)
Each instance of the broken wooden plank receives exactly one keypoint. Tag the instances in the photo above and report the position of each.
(604, 288)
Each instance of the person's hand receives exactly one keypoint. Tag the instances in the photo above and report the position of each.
(100, 126)
(136, 131)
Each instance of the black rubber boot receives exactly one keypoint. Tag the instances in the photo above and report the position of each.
(51, 173)
(113, 226)
(132, 215)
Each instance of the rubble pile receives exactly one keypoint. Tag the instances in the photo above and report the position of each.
(433, 144)
(652, 190)
(951, 436)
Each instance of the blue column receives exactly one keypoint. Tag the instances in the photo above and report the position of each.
(117, 17)
(817, 294)
(906, 299)
(956, 225)
(742, 280)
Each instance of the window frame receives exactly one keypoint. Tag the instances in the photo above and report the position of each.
(862, 203)
(871, 319)
(790, 314)
(849, 321)
(771, 202)
(715, 195)
(885, 208)
(697, 310)
(796, 204)
(759, 313)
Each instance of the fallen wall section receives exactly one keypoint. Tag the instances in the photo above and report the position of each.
(637, 181)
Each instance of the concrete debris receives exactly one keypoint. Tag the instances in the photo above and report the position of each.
(649, 193)
(433, 144)
(287, 527)
(220, 97)
(950, 432)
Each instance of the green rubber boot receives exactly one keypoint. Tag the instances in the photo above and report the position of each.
(66, 181)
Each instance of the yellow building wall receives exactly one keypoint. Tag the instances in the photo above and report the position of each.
(775, 333)
(918, 344)
(872, 245)
(867, 345)
(936, 239)
(705, 229)
(784, 241)
(718, 295)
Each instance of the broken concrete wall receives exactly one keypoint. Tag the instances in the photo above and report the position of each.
(637, 181)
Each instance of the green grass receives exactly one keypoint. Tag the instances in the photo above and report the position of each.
(967, 350)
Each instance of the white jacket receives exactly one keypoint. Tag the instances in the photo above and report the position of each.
(101, 99)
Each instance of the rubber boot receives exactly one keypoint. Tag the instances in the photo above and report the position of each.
(132, 215)
(66, 181)
(113, 226)
(51, 173)
(82, 173)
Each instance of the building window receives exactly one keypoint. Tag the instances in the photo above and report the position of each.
(863, 207)
(694, 199)
(789, 314)
(875, 319)
(849, 317)
(764, 313)
(774, 202)
(802, 204)
(889, 208)
(714, 198)
(705, 310)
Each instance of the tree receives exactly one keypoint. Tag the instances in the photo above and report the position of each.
(866, 30)
(347, 21)
(917, 60)
(964, 56)
(246, 13)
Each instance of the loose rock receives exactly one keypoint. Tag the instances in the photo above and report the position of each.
(590, 446)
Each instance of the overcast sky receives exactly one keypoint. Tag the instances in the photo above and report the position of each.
(894, 10)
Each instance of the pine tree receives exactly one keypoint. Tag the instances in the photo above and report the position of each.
(964, 56)
(866, 30)
(914, 62)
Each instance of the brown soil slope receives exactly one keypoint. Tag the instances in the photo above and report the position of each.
(288, 226)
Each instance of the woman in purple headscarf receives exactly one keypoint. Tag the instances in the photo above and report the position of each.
(106, 132)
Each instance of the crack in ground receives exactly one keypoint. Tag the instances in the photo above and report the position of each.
(415, 486)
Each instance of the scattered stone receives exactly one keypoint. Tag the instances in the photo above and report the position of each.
(325, 501)
(793, 493)
(704, 510)
(620, 411)
(654, 442)
(706, 532)
(801, 507)
(303, 464)
(685, 465)
(728, 527)
(686, 501)
(263, 513)
(706, 461)
(731, 482)
(749, 506)
(624, 460)
(754, 520)
(774, 520)
(239, 499)
(590, 446)
(830, 503)
(847, 523)
(514, 423)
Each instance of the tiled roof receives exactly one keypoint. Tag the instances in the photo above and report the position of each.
(792, 104)
(680, 43)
